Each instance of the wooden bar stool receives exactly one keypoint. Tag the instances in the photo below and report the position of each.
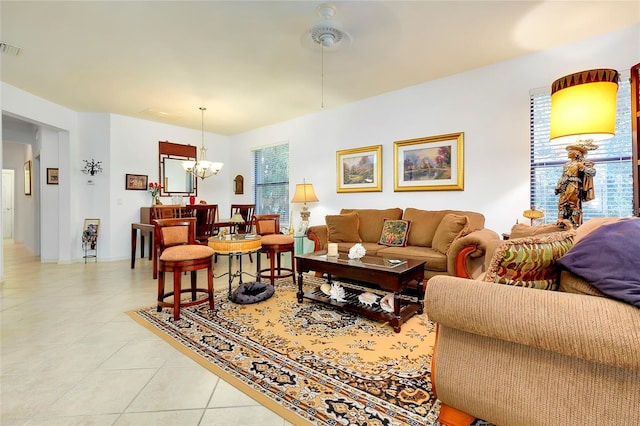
(179, 252)
(274, 243)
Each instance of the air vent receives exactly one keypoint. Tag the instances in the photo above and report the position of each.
(10, 49)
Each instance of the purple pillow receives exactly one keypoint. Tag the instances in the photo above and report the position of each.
(609, 259)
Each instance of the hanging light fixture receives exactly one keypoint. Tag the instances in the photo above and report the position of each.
(202, 168)
(327, 33)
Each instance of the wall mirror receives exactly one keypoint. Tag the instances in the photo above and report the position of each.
(174, 178)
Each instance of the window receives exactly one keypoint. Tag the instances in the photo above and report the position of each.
(271, 177)
(613, 181)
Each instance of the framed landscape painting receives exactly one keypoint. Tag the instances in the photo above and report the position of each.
(429, 164)
(359, 169)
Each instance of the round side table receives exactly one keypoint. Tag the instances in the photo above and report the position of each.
(237, 246)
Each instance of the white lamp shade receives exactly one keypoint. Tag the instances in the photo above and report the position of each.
(583, 106)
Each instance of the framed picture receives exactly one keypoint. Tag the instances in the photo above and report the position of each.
(91, 227)
(27, 178)
(137, 182)
(359, 169)
(52, 176)
(429, 164)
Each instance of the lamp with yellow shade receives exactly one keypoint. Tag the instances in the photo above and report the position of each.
(583, 106)
(304, 194)
(583, 110)
(533, 214)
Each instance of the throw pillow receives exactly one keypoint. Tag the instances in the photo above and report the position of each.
(343, 228)
(451, 227)
(530, 261)
(608, 259)
(394, 233)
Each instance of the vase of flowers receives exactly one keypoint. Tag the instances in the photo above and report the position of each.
(154, 188)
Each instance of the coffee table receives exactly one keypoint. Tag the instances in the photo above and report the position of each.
(370, 272)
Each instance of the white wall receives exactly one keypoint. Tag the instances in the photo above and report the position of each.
(134, 150)
(490, 105)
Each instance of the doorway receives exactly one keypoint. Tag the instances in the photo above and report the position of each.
(8, 179)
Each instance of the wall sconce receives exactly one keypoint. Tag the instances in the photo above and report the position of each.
(92, 167)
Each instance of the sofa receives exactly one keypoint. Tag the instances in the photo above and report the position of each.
(511, 353)
(452, 242)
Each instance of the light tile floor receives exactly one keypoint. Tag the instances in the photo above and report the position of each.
(71, 356)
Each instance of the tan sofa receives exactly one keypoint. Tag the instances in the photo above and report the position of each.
(451, 242)
(520, 356)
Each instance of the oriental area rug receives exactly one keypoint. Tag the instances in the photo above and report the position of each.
(309, 362)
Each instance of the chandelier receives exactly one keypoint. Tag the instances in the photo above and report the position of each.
(202, 168)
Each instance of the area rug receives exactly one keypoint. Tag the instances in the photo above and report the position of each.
(309, 362)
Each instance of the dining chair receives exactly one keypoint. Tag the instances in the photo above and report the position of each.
(179, 252)
(166, 212)
(206, 216)
(274, 243)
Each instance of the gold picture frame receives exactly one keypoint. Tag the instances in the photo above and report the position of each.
(27, 178)
(359, 169)
(429, 164)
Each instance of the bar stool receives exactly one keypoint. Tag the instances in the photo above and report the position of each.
(274, 243)
(179, 252)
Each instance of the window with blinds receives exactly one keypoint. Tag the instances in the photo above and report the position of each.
(271, 177)
(613, 181)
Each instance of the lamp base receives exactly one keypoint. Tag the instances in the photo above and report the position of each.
(305, 213)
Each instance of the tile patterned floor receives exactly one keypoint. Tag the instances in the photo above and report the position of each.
(71, 356)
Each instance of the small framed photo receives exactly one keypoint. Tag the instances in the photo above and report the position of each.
(359, 169)
(91, 227)
(136, 182)
(52, 176)
(429, 164)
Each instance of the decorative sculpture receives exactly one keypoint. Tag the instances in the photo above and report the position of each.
(576, 183)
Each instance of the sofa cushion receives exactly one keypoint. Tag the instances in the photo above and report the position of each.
(570, 283)
(451, 227)
(372, 220)
(436, 261)
(371, 248)
(520, 230)
(394, 233)
(530, 261)
(607, 258)
(423, 225)
(343, 228)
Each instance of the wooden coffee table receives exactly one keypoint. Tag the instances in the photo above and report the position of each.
(370, 272)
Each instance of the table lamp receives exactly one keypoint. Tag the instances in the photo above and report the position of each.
(583, 110)
(304, 194)
(533, 214)
(583, 106)
(236, 219)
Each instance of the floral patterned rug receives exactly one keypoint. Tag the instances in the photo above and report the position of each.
(308, 361)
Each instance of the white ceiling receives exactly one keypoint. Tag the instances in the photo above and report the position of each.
(251, 63)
